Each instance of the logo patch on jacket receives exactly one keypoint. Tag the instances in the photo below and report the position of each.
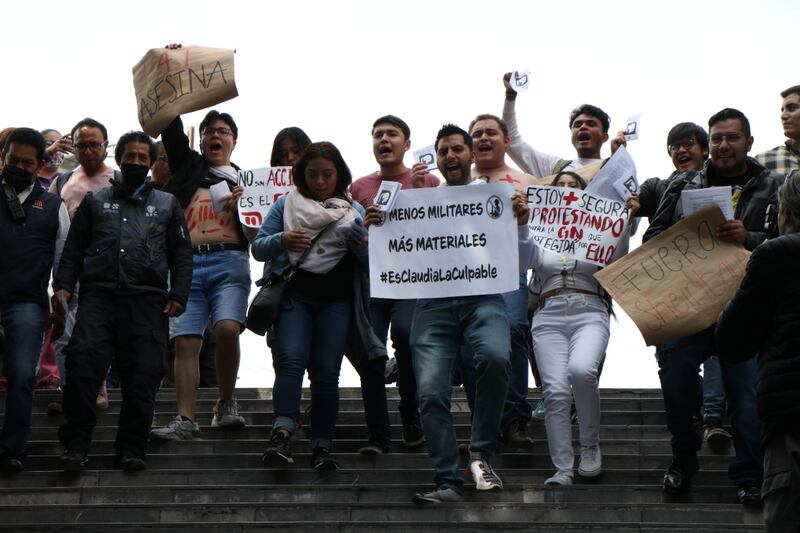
(38, 204)
(151, 211)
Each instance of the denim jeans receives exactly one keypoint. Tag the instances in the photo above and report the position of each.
(309, 334)
(679, 361)
(439, 327)
(220, 287)
(24, 327)
(713, 390)
(516, 406)
(398, 313)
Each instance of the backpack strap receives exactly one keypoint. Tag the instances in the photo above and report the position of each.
(61, 180)
(560, 165)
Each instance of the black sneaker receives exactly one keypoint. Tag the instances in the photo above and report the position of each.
(749, 494)
(412, 431)
(714, 434)
(129, 463)
(322, 460)
(278, 452)
(72, 461)
(374, 448)
(11, 465)
(678, 477)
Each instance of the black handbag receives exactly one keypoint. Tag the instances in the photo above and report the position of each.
(266, 305)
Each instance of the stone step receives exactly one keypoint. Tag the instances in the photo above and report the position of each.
(100, 473)
(305, 494)
(433, 526)
(468, 512)
(357, 404)
(392, 392)
(359, 431)
(637, 418)
(355, 461)
(300, 444)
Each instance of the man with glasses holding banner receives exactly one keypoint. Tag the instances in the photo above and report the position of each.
(221, 269)
(753, 189)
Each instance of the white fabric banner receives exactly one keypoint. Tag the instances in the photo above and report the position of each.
(576, 224)
(262, 188)
(445, 242)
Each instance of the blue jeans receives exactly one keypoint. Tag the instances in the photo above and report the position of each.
(398, 313)
(24, 327)
(713, 390)
(439, 328)
(679, 361)
(516, 407)
(309, 334)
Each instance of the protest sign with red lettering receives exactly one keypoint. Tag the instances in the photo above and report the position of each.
(262, 188)
(577, 224)
(171, 82)
(677, 283)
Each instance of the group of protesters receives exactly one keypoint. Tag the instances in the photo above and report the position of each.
(148, 256)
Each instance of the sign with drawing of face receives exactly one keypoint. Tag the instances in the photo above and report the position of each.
(519, 80)
(426, 156)
(632, 127)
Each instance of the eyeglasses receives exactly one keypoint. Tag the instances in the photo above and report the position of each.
(732, 138)
(94, 147)
(220, 131)
(686, 145)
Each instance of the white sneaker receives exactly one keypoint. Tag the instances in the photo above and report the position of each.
(559, 478)
(484, 475)
(591, 462)
(178, 429)
(226, 415)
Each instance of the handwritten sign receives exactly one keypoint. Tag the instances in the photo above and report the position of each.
(262, 188)
(576, 224)
(677, 283)
(445, 242)
(169, 83)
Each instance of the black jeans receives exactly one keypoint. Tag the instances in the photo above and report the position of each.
(130, 331)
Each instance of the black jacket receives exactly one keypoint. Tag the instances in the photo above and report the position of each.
(764, 317)
(27, 247)
(128, 244)
(757, 194)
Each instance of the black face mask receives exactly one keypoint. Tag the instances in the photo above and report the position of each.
(133, 175)
(16, 177)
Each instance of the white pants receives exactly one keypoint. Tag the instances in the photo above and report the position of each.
(570, 335)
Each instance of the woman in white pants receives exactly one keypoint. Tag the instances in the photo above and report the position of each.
(570, 334)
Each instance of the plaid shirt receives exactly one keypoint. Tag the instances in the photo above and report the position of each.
(780, 159)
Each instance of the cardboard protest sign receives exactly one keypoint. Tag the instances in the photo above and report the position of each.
(169, 83)
(445, 242)
(262, 188)
(677, 283)
(576, 224)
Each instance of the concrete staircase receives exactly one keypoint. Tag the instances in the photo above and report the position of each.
(220, 484)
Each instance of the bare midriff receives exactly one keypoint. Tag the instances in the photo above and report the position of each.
(206, 226)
